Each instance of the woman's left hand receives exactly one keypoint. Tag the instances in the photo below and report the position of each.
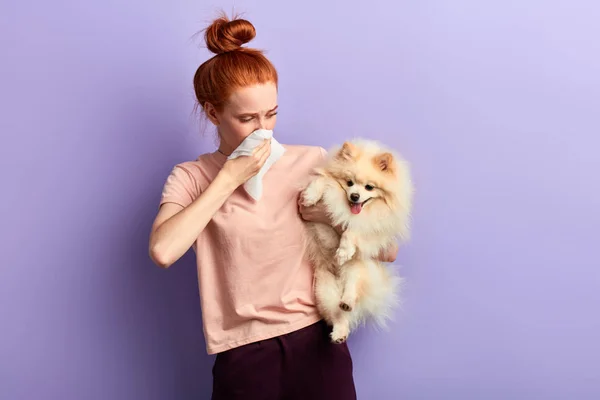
(316, 213)
(390, 254)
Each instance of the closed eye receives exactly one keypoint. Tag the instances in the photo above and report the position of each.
(248, 119)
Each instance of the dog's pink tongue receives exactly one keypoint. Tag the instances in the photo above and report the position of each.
(356, 208)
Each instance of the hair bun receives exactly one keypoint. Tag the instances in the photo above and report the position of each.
(225, 35)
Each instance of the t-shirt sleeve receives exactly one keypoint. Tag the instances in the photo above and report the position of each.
(180, 187)
(323, 153)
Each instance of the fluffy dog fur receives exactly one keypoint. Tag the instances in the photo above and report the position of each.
(367, 190)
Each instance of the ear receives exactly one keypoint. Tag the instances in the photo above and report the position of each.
(347, 152)
(385, 162)
(211, 113)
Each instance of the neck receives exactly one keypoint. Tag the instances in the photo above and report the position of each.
(225, 149)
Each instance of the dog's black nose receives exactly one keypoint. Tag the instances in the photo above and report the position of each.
(354, 196)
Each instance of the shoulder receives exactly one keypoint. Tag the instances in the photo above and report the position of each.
(188, 179)
(310, 156)
(192, 173)
(200, 166)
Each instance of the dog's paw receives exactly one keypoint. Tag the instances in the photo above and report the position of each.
(339, 334)
(310, 198)
(345, 306)
(343, 255)
(309, 201)
(340, 340)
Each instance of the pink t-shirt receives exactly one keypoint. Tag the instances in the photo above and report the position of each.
(255, 282)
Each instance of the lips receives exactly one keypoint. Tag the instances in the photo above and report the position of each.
(356, 208)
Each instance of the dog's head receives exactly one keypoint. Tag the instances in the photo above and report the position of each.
(376, 182)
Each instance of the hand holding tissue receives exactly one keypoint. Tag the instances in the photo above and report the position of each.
(253, 186)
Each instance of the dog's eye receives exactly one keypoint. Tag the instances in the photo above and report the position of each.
(369, 187)
(350, 183)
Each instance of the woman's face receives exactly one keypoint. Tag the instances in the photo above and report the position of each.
(248, 109)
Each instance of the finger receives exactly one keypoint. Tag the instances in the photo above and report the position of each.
(266, 144)
(265, 154)
(260, 147)
(302, 213)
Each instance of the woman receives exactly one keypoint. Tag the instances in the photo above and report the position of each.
(258, 309)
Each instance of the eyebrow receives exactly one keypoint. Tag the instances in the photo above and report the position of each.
(253, 114)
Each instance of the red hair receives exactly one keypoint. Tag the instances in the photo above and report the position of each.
(233, 66)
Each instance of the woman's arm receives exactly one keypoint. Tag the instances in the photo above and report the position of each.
(176, 228)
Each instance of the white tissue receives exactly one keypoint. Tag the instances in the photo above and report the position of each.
(254, 186)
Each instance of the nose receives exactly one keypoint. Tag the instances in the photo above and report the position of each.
(354, 197)
(262, 123)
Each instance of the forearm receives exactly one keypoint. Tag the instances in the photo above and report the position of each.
(173, 237)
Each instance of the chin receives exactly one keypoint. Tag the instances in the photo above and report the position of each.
(367, 189)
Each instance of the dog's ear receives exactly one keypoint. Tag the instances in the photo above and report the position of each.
(347, 152)
(385, 162)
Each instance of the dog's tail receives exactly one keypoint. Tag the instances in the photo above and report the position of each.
(380, 294)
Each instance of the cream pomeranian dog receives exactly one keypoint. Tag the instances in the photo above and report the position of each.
(367, 190)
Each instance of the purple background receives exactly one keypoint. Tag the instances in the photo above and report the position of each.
(495, 103)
